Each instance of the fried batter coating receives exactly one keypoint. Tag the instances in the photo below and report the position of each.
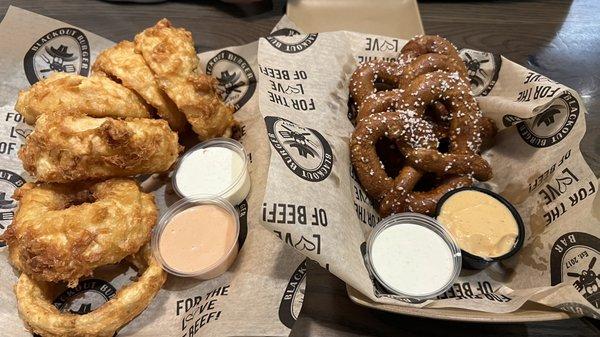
(43, 318)
(96, 96)
(72, 147)
(122, 63)
(62, 232)
(170, 53)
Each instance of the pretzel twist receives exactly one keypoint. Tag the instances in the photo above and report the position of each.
(429, 100)
(421, 55)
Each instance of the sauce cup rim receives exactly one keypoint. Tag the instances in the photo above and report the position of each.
(178, 207)
(425, 221)
(228, 143)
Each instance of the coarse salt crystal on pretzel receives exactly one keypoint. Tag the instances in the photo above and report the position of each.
(417, 136)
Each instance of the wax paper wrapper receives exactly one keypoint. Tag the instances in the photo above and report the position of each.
(260, 295)
(314, 203)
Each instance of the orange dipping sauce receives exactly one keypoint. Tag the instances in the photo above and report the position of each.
(200, 241)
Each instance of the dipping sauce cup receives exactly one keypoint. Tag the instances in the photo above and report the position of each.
(197, 237)
(486, 226)
(215, 167)
(413, 256)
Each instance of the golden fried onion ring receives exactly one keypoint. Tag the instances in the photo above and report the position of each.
(36, 309)
(63, 232)
(73, 147)
(170, 53)
(96, 96)
(122, 63)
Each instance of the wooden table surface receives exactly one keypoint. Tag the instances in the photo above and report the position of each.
(559, 39)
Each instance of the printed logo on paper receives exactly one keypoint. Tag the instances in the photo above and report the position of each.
(242, 209)
(86, 297)
(550, 126)
(237, 81)
(9, 182)
(482, 68)
(291, 47)
(293, 296)
(304, 151)
(285, 32)
(65, 50)
(574, 259)
(309, 243)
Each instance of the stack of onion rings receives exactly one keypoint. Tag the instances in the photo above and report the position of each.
(63, 232)
(91, 136)
(94, 96)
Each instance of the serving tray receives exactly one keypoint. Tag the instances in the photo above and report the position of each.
(529, 312)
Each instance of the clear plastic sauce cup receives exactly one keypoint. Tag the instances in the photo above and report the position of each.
(413, 256)
(197, 237)
(215, 167)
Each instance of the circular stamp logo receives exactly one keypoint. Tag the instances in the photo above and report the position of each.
(9, 182)
(293, 296)
(482, 68)
(64, 50)
(304, 151)
(574, 259)
(551, 125)
(297, 44)
(237, 81)
(86, 297)
(285, 32)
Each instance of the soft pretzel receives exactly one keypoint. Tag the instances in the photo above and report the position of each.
(433, 44)
(465, 126)
(396, 194)
(421, 55)
(417, 139)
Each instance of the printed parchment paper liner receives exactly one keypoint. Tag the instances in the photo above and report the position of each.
(262, 293)
(314, 203)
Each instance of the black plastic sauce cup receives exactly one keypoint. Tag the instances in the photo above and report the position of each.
(471, 261)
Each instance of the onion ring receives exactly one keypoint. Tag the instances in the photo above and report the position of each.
(171, 55)
(63, 232)
(43, 318)
(95, 96)
(123, 64)
(73, 147)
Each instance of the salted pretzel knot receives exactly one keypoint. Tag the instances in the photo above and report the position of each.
(433, 44)
(465, 126)
(396, 194)
(419, 56)
(418, 143)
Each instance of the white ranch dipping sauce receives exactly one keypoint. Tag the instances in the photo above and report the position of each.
(413, 260)
(216, 167)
